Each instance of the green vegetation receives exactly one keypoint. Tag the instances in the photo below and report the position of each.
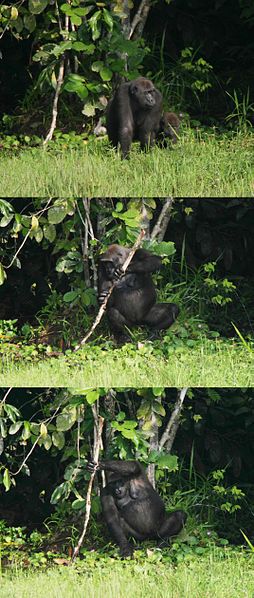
(207, 363)
(49, 435)
(48, 292)
(213, 576)
(204, 165)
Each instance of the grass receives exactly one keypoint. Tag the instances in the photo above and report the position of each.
(210, 364)
(210, 577)
(199, 166)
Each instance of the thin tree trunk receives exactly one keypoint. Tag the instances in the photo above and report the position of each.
(169, 434)
(98, 424)
(139, 20)
(161, 225)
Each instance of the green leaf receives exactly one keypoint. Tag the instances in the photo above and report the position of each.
(106, 74)
(37, 6)
(164, 248)
(47, 442)
(7, 480)
(78, 504)
(97, 66)
(3, 274)
(62, 491)
(108, 19)
(158, 408)
(43, 429)
(92, 396)
(95, 24)
(27, 431)
(49, 231)
(168, 461)
(79, 46)
(6, 220)
(88, 110)
(58, 439)
(70, 296)
(15, 427)
(66, 419)
(56, 214)
(38, 234)
(75, 19)
(30, 22)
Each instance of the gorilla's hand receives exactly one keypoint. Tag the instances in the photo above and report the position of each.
(126, 550)
(118, 272)
(92, 466)
(102, 296)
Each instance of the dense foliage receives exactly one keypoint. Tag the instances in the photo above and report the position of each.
(47, 436)
(199, 56)
(49, 251)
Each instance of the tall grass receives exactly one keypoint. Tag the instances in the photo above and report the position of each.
(210, 364)
(201, 165)
(210, 577)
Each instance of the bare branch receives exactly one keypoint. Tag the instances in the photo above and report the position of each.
(139, 20)
(60, 78)
(161, 225)
(104, 304)
(100, 421)
(59, 84)
(169, 434)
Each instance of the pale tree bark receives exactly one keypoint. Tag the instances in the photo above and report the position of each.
(145, 222)
(169, 434)
(159, 229)
(139, 20)
(98, 427)
(60, 79)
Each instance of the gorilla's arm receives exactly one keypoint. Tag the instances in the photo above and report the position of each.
(124, 468)
(145, 262)
(103, 283)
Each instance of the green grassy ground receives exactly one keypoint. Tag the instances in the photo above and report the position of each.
(210, 577)
(199, 167)
(211, 363)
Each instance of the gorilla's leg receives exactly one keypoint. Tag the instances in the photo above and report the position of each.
(125, 139)
(161, 315)
(171, 526)
(118, 324)
(114, 522)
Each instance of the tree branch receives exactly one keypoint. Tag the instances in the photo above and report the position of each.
(169, 434)
(139, 20)
(161, 225)
(59, 84)
(104, 304)
(98, 421)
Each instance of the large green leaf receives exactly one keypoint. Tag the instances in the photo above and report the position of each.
(37, 6)
(66, 419)
(56, 214)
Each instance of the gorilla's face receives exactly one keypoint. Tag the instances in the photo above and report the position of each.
(143, 92)
(114, 258)
(120, 488)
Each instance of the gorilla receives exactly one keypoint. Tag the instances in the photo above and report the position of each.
(133, 300)
(169, 129)
(132, 508)
(134, 113)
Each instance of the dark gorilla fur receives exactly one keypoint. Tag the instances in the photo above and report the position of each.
(169, 129)
(134, 113)
(133, 301)
(132, 508)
